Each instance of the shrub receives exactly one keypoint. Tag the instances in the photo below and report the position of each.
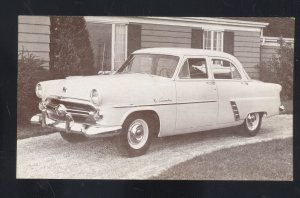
(279, 69)
(30, 73)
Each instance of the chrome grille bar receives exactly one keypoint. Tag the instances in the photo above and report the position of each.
(74, 107)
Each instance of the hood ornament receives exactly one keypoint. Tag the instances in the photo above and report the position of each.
(64, 90)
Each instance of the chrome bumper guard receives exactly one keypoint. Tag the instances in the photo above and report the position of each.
(72, 127)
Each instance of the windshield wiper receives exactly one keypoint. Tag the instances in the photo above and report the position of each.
(145, 73)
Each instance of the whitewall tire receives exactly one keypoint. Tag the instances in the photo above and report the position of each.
(135, 137)
(252, 123)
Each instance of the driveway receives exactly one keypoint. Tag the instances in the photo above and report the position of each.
(50, 157)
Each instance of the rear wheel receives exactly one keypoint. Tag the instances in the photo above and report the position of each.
(252, 124)
(135, 137)
(73, 138)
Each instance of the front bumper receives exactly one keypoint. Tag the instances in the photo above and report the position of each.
(72, 127)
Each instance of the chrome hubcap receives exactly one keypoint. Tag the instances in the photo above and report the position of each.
(252, 121)
(138, 133)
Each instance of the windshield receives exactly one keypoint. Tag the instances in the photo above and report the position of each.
(153, 64)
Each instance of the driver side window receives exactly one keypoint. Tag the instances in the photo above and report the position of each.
(194, 68)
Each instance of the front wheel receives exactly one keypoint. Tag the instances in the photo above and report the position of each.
(252, 124)
(134, 139)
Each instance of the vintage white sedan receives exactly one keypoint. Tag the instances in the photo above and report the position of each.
(158, 92)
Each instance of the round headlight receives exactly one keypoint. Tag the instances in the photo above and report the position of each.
(95, 97)
(39, 90)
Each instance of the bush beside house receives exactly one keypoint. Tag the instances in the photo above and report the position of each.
(30, 73)
(279, 69)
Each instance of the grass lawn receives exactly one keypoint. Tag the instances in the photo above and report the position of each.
(26, 131)
(262, 161)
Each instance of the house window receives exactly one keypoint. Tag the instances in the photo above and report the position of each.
(109, 44)
(100, 36)
(120, 45)
(213, 40)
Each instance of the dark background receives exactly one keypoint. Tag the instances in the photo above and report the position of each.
(10, 187)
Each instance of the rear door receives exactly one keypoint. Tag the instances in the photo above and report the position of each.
(233, 89)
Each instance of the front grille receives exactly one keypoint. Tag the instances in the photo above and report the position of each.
(81, 112)
(53, 102)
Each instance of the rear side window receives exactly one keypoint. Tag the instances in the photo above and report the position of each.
(223, 69)
(194, 68)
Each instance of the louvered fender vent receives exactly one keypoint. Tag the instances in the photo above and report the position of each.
(235, 110)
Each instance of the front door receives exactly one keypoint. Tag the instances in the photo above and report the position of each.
(197, 98)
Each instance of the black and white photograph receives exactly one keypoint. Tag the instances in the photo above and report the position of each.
(155, 98)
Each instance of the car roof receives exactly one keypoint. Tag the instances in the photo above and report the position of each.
(182, 51)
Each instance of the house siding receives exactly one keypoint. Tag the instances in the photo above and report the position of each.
(165, 36)
(247, 51)
(34, 36)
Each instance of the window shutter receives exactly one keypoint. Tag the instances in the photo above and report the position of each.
(228, 42)
(134, 38)
(197, 38)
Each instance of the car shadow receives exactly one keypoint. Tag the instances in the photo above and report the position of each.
(190, 138)
(107, 146)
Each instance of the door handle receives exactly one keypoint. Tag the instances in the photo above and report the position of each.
(211, 83)
(244, 83)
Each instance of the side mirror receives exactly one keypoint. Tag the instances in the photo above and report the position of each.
(106, 72)
(100, 72)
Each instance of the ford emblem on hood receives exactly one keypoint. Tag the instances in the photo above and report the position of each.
(64, 89)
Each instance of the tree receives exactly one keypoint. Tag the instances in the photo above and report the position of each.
(70, 49)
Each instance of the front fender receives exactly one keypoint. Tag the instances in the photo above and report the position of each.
(137, 109)
(165, 113)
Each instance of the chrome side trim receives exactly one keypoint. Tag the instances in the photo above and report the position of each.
(162, 104)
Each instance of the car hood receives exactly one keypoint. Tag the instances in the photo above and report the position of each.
(80, 87)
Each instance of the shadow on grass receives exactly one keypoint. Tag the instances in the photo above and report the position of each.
(262, 161)
(27, 131)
